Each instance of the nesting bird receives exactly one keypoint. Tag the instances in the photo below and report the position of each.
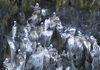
(14, 30)
(37, 9)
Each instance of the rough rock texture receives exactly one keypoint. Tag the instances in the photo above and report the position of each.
(34, 37)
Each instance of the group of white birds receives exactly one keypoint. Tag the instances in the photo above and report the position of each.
(36, 39)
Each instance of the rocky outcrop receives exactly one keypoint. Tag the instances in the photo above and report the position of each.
(36, 37)
(50, 46)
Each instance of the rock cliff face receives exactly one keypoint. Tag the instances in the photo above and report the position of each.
(49, 35)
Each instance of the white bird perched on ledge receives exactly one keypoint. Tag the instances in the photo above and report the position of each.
(14, 30)
(37, 5)
(37, 9)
